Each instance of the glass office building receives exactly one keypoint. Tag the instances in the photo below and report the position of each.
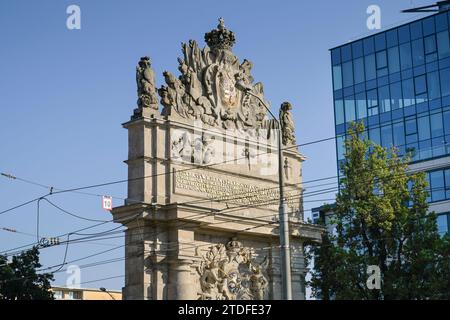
(398, 83)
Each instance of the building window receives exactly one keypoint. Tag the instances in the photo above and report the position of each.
(370, 67)
(447, 183)
(424, 128)
(361, 109)
(340, 147)
(372, 102)
(399, 135)
(437, 185)
(357, 49)
(411, 126)
(441, 22)
(384, 99)
(428, 26)
(437, 129)
(403, 34)
(358, 68)
(339, 111)
(447, 123)
(445, 82)
(336, 56)
(386, 136)
(443, 44)
(394, 60)
(420, 85)
(405, 56)
(368, 46)
(347, 71)
(346, 53)
(58, 294)
(350, 109)
(434, 90)
(337, 77)
(392, 38)
(408, 92)
(442, 222)
(416, 30)
(417, 52)
(74, 295)
(396, 95)
(374, 135)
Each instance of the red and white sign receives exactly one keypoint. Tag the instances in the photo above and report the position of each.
(107, 203)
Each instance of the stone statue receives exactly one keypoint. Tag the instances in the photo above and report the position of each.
(287, 124)
(208, 86)
(146, 85)
(258, 282)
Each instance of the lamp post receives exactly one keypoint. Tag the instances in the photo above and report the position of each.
(282, 212)
(104, 290)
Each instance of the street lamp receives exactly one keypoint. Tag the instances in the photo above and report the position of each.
(104, 290)
(282, 212)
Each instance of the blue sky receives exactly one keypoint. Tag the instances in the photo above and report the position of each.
(64, 94)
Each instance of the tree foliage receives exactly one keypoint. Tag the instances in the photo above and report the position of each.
(381, 218)
(19, 279)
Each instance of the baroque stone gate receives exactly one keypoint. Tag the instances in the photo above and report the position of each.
(201, 214)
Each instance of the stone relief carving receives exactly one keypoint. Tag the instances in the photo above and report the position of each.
(146, 86)
(228, 272)
(199, 150)
(207, 87)
(287, 124)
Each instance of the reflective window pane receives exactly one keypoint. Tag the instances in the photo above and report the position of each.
(443, 44)
(420, 85)
(347, 70)
(374, 135)
(410, 126)
(361, 108)
(399, 134)
(384, 99)
(339, 111)
(337, 77)
(350, 109)
(357, 49)
(403, 34)
(394, 60)
(437, 185)
(416, 30)
(358, 69)
(445, 82)
(434, 90)
(417, 52)
(408, 92)
(386, 136)
(405, 56)
(391, 38)
(430, 44)
(423, 124)
(396, 95)
(369, 46)
(447, 123)
(370, 67)
(437, 129)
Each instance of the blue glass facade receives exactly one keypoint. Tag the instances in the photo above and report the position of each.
(398, 83)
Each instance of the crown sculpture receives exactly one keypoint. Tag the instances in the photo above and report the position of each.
(213, 87)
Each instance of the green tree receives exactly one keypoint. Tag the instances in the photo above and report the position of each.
(19, 279)
(381, 218)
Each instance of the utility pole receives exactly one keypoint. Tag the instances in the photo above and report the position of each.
(282, 212)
